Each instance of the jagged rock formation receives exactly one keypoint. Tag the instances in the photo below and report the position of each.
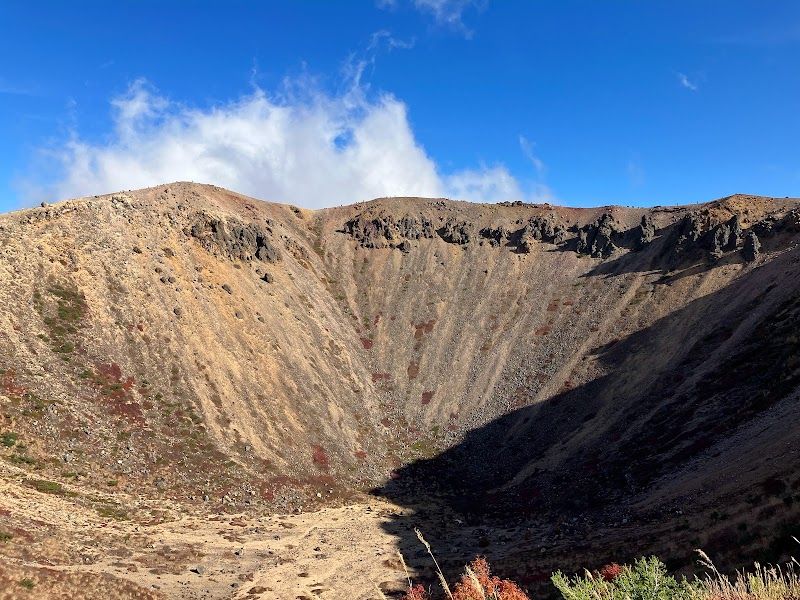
(597, 239)
(385, 231)
(540, 229)
(456, 232)
(234, 239)
(751, 247)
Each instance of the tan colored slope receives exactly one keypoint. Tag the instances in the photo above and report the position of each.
(210, 353)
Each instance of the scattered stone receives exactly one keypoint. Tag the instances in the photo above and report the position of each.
(168, 252)
(227, 288)
(178, 311)
(199, 569)
(137, 250)
(268, 277)
(67, 458)
(239, 315)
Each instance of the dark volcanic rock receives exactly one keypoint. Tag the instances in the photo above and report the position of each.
(496, 235)
(234, 239)
(751, 246)
(540, 229)
(597, 239)
(384, 231)
(644, 233)
(456, 232)
(698, 237)
(724, 237)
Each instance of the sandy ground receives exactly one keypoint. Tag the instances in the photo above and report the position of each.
(333, 553)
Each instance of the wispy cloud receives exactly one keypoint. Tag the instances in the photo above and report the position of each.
(448, 13)
(527, 149)
(635, 172)
(385, 38)
(686, 82)
(298, 144)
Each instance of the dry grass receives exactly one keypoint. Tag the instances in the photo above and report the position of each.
(477, 582)
(764, 583)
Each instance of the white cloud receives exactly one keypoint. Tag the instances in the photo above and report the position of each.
(449, 13)
(686, 82)
(300, 146)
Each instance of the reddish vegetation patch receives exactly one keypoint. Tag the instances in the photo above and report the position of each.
(322, 481)
(553, 306)
(452, 427)
(377, 318)
(610, 572)
(380, 377)
(413, 370)
(418, 345)
(567, 302)
(422, 328)
(386, 422)
(594, 328)
(9, 383)
(367, 343)
(426, 397)
(319, 457)
(543, 330)
(361, 454)
(128, 410)
(111, 371)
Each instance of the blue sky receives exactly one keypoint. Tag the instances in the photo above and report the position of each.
(322, 103)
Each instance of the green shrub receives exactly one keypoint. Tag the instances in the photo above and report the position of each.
(647, 579)
(8, 439)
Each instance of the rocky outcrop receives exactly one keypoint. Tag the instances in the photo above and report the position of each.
(456, 232)
(597, 239)
(644, 233)
(725, 237)
(496, 235)
(540, 229)
(234, 239)
(751, 246)
(384, 231)
(698, 237)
